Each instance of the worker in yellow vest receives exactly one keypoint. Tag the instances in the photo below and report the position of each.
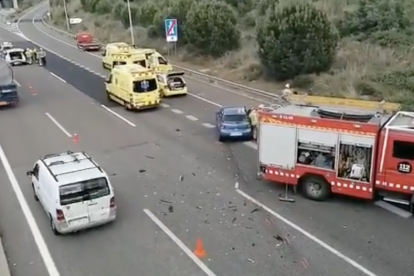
(254, 119)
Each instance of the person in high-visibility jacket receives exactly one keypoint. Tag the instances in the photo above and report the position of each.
(254, 120)
(29, 55)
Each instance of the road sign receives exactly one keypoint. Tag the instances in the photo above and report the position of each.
(171, 30)
(74, 21)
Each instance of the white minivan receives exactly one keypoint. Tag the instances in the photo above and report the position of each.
(74, 191)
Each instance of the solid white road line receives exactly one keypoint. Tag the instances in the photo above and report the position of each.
(37, 235)
(313, 238)
(56, 76)
(58, 125)
(205, 100)
(179, 243)
(118, 116)
(395, 210)
(164, 105)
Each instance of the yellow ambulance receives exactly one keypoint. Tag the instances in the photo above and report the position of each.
(115, 54)
(156, 61)
(133, 86)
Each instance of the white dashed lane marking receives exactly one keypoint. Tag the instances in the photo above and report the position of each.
(165, 105)
(208, 125)
(177, 111)
(191, 118)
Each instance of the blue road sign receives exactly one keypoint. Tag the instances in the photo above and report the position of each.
(171, 30)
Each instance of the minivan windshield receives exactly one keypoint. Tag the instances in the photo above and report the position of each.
(145, 86)
(85, 190)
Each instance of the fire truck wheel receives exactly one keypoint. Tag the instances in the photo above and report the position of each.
(315, 188)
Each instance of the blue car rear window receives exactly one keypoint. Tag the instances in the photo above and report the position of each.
(234, 118)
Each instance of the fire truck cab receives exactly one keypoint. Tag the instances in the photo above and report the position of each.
(325, 146)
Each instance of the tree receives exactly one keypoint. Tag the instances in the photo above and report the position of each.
(242, 6)
(174, 9)
(296, 39)
(213, 28)
(384, 22)
(89, 5)
(147, 12)
(103, 7)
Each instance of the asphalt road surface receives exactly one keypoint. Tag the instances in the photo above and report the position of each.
(167, 161)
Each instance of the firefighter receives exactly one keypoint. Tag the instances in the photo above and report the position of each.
(254, 118)
(41, 56)
(35, 55)
(29, 55)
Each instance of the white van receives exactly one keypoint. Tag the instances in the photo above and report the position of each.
(15, 56)
(74, 191)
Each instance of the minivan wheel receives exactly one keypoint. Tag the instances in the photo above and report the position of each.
(53, 226)
(34, 193)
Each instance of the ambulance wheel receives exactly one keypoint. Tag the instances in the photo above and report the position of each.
(127, 106)
(315, 188)
(108, 96)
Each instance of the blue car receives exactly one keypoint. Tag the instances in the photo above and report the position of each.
(233, 123)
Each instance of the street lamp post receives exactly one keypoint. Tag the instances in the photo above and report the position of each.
(66, 15)
(130, 23)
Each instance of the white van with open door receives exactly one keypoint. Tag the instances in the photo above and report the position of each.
(74, 190)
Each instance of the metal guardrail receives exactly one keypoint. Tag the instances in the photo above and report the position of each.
(209, 78)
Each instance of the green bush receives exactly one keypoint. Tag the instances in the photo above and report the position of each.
(242, 6)
(103, 7)
(373, 16)
(118, 10)
(146, 13)
(89, 5)
(296, 39)
(213, 28)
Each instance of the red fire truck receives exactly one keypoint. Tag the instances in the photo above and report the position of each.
(327, 146)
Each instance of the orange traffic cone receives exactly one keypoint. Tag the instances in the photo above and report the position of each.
(75, 138)
(199, 250)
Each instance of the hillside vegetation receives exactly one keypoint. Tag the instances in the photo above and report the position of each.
(346, 48)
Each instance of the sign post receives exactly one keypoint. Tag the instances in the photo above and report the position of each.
(171, 33)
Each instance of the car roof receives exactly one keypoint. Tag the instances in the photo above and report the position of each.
(72, 167)
(15, 50)
(234, 110)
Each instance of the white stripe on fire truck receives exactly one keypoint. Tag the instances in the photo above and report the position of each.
(393, 185)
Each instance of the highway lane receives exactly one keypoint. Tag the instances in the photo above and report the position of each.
(22, 252)
(321, 220)
(204, 203)
(133, 244)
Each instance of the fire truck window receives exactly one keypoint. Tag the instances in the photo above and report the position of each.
(316, 155)
(354, 162)
(403, 150)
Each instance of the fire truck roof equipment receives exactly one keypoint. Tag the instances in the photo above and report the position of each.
(318, 107)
